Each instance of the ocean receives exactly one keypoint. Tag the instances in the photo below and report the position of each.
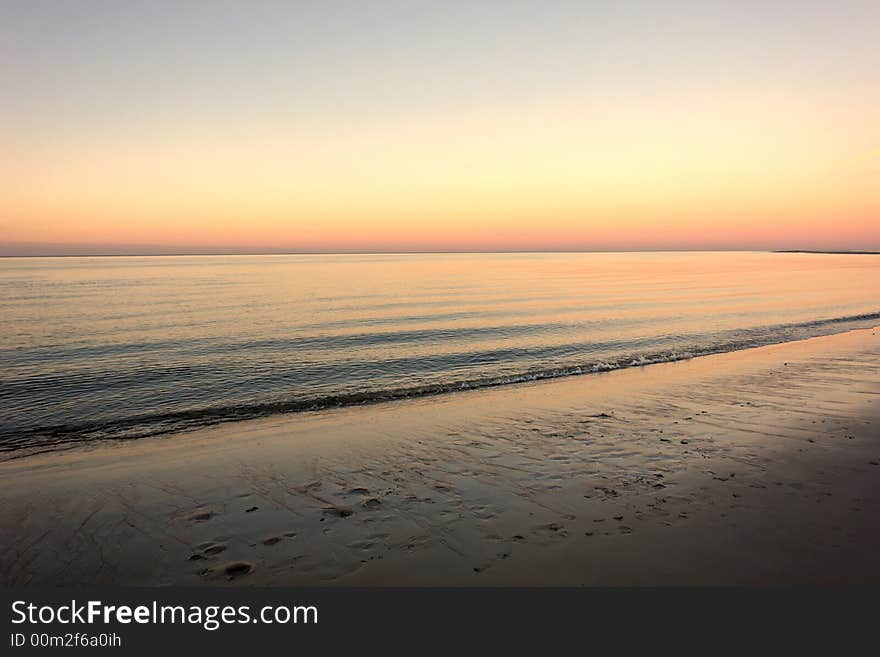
(128, 347)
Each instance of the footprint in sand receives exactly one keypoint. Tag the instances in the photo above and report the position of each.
(483, 512)
(237, 569)
(206, 550)
(231, 571)
(607, 492)
(371, 503)
(339, 511)
(553, 529)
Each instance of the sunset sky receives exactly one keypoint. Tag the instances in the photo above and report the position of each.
(338, 126)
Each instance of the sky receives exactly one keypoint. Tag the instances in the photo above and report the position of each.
(168, 127)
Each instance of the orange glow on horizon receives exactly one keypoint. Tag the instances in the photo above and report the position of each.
(717, 164)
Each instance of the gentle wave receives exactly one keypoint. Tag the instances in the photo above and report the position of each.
(151, 424)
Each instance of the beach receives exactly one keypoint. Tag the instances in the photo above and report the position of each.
(754, 467)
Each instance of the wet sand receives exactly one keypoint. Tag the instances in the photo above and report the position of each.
(755, 467)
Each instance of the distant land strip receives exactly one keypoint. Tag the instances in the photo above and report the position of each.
(831, 252)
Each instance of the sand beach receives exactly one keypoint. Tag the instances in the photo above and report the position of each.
(759, 466)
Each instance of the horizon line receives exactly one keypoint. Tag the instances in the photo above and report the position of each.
(431, 252)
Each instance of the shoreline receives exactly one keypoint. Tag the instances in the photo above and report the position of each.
(188, 421)
(753, 466)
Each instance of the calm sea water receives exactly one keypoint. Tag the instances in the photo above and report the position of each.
(132, 346)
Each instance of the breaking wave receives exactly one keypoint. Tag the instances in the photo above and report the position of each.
(42, 438)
